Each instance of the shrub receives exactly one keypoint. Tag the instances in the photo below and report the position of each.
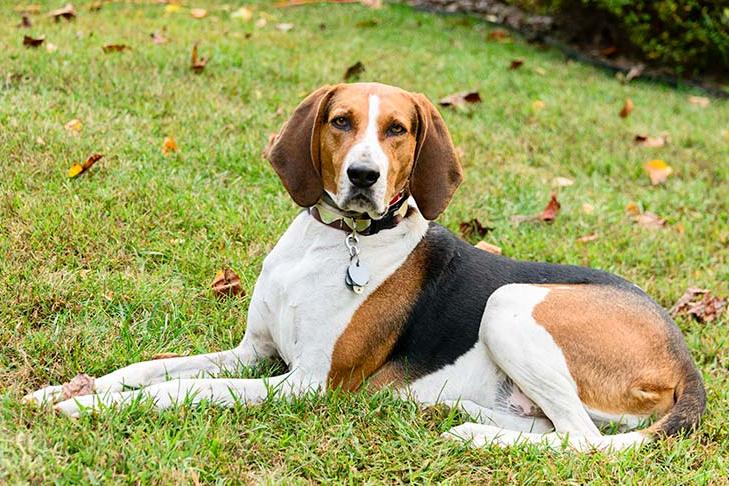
(690, 36)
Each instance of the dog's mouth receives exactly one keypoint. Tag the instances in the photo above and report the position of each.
(362, 202)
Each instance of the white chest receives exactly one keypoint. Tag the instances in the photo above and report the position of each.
(301, 296)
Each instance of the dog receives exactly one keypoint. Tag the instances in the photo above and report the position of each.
(363, 290)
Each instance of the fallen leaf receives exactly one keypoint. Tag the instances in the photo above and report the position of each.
(197, 64)
(701, 101)
(562, 182)
(650, 220)
(588, 238)
(158, 38)
(473, 227)
(296, 3)
(658, 171)
(651, 142)
(172, 8)
(50, 47)
(95, 6)
(67, 12)
(244, 13)
(81, 384)
(634, 72)
(632, 209)
(164, 356)
(371, 3)
(461, 99)
(588, 208)
(700, 304)
(482, 245)
(550, 212)
(25, 23)
(516, 64)
(284, 26)
(168, 146)
(115, 48)
(226, 283)
(29, 41)
(74, 126)
(609, 51)
(354, 71)
(499, 35)
(538, 105)
(198, 13)
(627, 108)
(77, 169)
(540, 71)
(261, 23)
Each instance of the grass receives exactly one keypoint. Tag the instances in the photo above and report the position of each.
(114, 266)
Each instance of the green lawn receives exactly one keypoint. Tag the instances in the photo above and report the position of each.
(115, 265)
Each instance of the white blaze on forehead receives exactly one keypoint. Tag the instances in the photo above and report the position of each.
(367, 151)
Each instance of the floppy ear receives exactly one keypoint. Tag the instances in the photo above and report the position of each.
(436, 171)
(294, 152)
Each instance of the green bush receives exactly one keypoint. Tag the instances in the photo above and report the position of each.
(689, 36)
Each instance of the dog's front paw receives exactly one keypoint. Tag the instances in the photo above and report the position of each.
(74, 406)
(49, 394)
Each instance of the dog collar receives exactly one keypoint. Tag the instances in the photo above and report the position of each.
(362, 224)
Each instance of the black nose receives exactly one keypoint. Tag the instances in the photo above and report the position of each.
(363, 175)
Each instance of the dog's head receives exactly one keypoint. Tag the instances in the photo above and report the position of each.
(364, 144)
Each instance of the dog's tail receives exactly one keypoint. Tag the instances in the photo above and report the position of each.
(689, 405)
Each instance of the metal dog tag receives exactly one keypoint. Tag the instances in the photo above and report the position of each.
(357, 276)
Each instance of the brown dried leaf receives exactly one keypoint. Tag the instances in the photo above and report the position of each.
(634, 72)
(650, 220)
(74, 126)
(608, 51)
(627, 108)
(651, 142)
(197, 64)
(226, 283)
(158, 38)
(164, 356)
(461, 99)
(81, 384)
(658, 171)
(588, 238)
(701, 101)
(562, 182)
(25, 23)
(78, 169)
(699, 304)
(371, 3)
(473, 227)
(354, 71)
(29, 41)
(115, 48)
(550, 212)
(482, 245)
(68, 12)
(632, 209)
(499, 35)
(198, 13)
(169, 145)
(516, 64)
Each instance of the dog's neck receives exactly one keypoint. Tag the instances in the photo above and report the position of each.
(327, 213)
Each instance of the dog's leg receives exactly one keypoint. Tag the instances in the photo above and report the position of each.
(221, 391)
(489, 416)
(256, 345)
(526, 352)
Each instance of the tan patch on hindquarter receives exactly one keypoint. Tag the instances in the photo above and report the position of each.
(352, 102)
(616, 345)
(365, 345)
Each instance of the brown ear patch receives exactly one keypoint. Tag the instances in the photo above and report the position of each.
(617, 347)
(367, 342)
(437, 172)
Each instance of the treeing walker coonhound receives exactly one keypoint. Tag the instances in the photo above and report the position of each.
(363, 290)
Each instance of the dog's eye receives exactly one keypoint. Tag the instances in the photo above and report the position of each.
(396, 129)
(342, 123)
